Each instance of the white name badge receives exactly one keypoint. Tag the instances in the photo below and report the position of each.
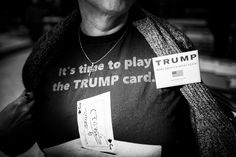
(177, 69)
(95, 123)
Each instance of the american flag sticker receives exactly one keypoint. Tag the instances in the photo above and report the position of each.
(177, 73)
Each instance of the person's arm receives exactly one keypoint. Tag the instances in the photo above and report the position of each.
(16, 125)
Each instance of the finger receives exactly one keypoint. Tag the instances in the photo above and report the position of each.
(27, 107)
(29, 95)
(20, 120)
(23, 112)
(25, 98)
(21, 99)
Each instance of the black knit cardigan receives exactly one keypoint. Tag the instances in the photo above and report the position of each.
(212, 128)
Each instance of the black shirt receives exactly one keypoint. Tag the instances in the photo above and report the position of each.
(140, 112)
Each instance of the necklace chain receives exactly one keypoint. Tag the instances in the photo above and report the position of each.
(94, 63)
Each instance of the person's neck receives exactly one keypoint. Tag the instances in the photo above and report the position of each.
(97, 23)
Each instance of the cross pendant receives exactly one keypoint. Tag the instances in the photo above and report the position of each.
(91, 70)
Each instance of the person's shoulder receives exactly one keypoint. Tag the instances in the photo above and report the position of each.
(44, 49)
(166, 28)
(178, 35)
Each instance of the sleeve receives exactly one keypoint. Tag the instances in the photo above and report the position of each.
(213, 129)
(180, 38)
(16, 126)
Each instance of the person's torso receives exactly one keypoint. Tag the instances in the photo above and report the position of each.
(140, 113)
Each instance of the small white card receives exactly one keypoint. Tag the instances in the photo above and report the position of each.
(95, 123)
(177, 69)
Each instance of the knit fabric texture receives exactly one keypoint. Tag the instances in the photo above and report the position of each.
(213, 130)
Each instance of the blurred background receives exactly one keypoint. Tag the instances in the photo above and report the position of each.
(210, 26)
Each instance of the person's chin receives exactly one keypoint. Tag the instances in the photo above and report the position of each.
(117, 7)
(114, 11)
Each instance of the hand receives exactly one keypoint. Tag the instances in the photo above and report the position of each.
(16, 125)
(17, 112)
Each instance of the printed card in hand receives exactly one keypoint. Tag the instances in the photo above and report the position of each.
(95, 124)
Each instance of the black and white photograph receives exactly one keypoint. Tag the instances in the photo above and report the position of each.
(117, 78)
